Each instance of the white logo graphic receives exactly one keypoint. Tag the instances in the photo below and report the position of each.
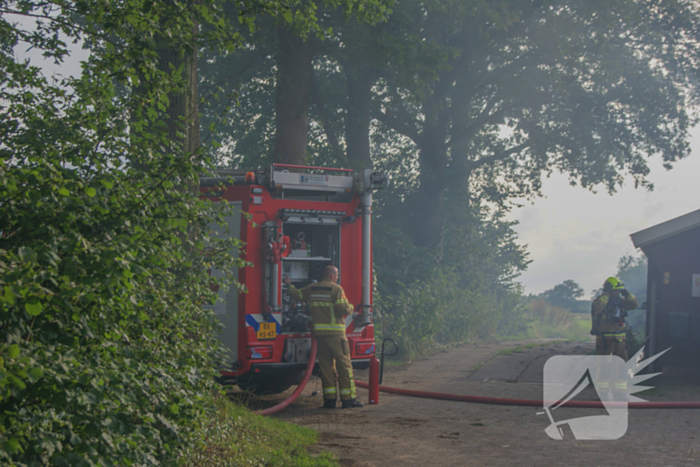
(609, 381)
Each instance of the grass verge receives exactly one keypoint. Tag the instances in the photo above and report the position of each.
(234, 436)
(523, 348)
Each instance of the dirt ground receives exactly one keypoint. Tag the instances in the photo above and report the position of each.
(403, 430)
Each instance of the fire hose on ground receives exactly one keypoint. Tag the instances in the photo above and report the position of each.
(526, 402)
(300, 388)
(374, 388)
(376, 375)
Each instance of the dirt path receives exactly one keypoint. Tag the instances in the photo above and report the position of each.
(410, 431)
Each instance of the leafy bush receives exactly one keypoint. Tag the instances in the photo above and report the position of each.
(105, 351)
(425, 297)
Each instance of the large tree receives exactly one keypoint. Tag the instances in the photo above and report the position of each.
(592, 89)
(490, 98)
(564, 295)
(279, 58)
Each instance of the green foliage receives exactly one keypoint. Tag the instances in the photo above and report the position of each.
(461, 292)
(632, 271)
(106, 354)
(547, 321)
(237, 437)
(562, 293)
(565, 296)
(248, 77)
(531, 87)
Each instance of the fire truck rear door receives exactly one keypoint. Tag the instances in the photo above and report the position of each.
(226, 308)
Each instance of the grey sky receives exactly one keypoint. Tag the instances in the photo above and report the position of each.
(575, 234)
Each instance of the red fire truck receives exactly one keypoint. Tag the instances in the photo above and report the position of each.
(299, 220)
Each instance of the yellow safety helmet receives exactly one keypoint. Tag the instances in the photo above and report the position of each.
(612, 283)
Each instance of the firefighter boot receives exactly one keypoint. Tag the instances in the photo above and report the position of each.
(352, 403)
(329, 404)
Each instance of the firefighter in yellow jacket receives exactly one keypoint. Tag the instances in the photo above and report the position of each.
(608, 314)
(327, 306)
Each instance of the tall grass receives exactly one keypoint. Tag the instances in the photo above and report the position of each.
(547, 321)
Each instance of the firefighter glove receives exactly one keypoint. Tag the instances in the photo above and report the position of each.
(625, 293)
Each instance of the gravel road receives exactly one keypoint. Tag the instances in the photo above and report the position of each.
(402, 431)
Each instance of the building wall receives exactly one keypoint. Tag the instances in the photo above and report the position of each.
(672, 264)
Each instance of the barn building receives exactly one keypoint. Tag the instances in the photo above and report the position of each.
(673, 292)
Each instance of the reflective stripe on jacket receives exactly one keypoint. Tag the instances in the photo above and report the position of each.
(327, 306)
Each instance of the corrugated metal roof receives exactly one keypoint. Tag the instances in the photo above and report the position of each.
(666, 229)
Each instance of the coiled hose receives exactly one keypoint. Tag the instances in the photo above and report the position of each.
(302, 384)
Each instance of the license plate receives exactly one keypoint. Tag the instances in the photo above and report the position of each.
(267, 331)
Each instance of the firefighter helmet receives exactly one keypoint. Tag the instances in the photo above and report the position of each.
(612, 283)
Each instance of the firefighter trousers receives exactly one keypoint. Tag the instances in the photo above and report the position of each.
(330, 349)
(612, 344)
(612, 374)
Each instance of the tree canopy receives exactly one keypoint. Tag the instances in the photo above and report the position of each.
(564, 295)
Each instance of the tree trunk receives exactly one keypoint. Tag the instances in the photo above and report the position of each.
(427, 206)
(294, 68)
(319, 102)
(179, 141)
(464, 126)
(357, 120)
(182, 118)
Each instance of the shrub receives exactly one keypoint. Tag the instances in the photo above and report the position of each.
(105, 351)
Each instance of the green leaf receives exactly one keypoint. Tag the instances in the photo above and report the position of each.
(168, 184)
(13, 445)
(174, 408)
(64, 191)
(26, 254)
(35, 374)
(107, 184)
(34, 309)
(9, 296)
(91, 192)
(13, 351)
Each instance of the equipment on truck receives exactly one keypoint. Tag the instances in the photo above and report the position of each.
(298, 220)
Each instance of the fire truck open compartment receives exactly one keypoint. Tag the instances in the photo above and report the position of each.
(315, 244)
